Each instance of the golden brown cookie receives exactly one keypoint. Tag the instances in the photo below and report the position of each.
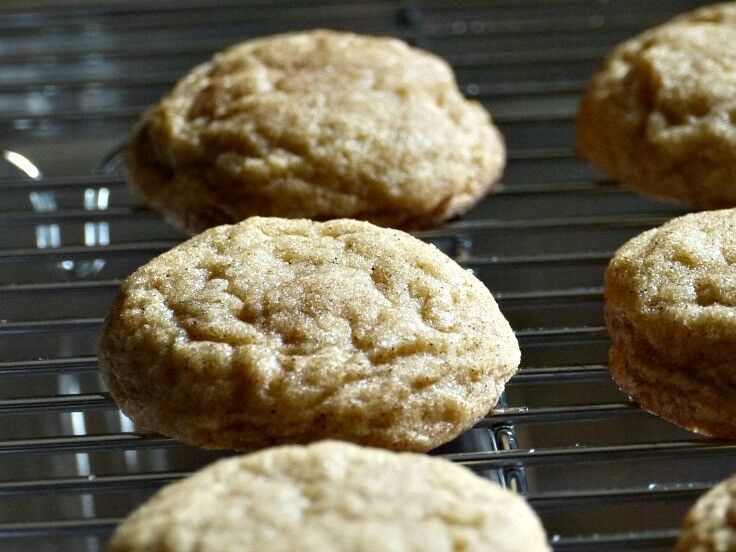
(332, 497)
(316, 125)
(289, 331)
(660, 113)
(671, 311)
(710, 525)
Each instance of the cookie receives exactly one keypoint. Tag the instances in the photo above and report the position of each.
(278, 331)
(670, 298)
(317, 125)
(710, 525)
(660, 113)
(331, 497)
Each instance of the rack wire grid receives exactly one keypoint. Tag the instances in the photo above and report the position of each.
(602, 474)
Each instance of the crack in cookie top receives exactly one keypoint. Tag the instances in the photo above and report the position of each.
(685, 71)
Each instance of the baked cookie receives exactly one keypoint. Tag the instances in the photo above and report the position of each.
(710, 525)
(331, 497)
(316, 125)
(289, 331)
(660, 114)
(671, 311)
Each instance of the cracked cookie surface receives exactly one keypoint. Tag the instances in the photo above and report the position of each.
(332, 497)
(288, 331)
(660, 113)
(671, 310)
(710, 525)
(317, 125)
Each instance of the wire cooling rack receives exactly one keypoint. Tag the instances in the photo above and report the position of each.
(602, 474)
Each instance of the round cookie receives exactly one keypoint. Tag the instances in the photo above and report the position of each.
(710, 525)
(279, 331)
(317, 125)
(671, 311)
(332, 497)
(660, 113)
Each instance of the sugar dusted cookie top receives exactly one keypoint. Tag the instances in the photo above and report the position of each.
(680, 280)
(710, 524)
(316, 125)
(660, 113)
(332, 497)
(277, 331)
